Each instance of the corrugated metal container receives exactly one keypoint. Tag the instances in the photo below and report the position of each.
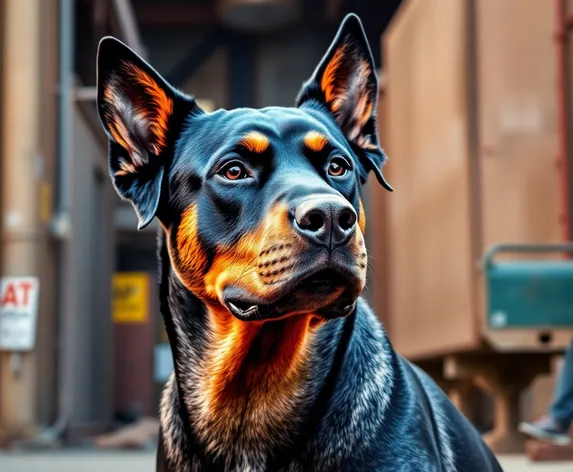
(470, 126)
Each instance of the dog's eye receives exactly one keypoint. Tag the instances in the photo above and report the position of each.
(337, 167)
(234, 171)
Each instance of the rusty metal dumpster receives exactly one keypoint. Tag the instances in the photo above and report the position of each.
(470, 124)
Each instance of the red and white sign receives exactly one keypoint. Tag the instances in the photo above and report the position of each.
(18, 313)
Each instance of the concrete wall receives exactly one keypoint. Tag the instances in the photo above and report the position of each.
(93, 264)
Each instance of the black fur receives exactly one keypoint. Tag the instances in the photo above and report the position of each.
(354, 404)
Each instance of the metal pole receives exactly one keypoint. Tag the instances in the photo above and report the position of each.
(63, 215)
(66, 71)
(62, 227)
(128, 26)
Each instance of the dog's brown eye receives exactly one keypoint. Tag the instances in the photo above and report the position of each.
(337, 167)
(234, 171)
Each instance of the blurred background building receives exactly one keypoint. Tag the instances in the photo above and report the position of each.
(473, 113)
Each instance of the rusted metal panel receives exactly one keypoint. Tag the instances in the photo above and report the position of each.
(428, 215)
(518, 121)
(473, 145)
(563, 56)
(522, 190)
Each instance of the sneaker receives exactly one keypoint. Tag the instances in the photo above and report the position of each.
(546, 429)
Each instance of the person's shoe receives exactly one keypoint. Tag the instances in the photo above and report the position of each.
(546, 429)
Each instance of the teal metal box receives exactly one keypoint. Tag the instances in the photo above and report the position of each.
(529, 293)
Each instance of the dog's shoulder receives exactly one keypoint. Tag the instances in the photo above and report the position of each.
(353, 425)
(453, 430)
(396, 416)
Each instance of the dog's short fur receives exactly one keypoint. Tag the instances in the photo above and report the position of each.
(279, 365)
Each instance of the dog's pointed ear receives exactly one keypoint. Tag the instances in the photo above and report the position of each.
(141, 115)
(345, 83)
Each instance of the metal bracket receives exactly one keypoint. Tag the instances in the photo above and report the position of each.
(523, 249)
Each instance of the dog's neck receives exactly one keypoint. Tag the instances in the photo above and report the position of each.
(242, 386)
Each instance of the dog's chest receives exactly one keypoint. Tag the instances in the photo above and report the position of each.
(241, 430)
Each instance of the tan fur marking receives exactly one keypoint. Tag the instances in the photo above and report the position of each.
(263, 389)
(120, 134)
(329, 80)
(340, 85)
(240, 261)
(192, 260)
(161, 103)
(154, 115)
(361, 217)
(255, 142)
(315, 141)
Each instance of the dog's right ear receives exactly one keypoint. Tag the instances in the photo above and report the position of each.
(142, 116)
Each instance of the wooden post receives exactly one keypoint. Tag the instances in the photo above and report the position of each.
(504, 377)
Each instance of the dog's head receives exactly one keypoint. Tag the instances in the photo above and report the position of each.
(261, 208)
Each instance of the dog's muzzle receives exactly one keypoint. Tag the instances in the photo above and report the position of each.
(320, 269)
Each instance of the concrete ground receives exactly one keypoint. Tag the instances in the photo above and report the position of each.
(77, 461)
(82, 461)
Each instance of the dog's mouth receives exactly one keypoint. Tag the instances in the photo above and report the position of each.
(326, 292)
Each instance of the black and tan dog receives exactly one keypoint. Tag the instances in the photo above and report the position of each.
(279, 364)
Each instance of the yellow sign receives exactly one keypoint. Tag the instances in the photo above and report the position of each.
(45, 202)
(130, 297)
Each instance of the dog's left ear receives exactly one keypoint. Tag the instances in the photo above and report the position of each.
(345, 82)
(141, 115)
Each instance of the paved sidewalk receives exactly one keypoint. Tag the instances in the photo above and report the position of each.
(521, 464)
(77, 461)
(82, 461)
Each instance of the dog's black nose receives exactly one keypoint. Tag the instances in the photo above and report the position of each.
(325, 219)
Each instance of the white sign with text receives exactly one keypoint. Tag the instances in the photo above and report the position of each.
(18, 313)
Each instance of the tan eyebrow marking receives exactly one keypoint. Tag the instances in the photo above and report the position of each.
(315, 141)
(255, 142)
